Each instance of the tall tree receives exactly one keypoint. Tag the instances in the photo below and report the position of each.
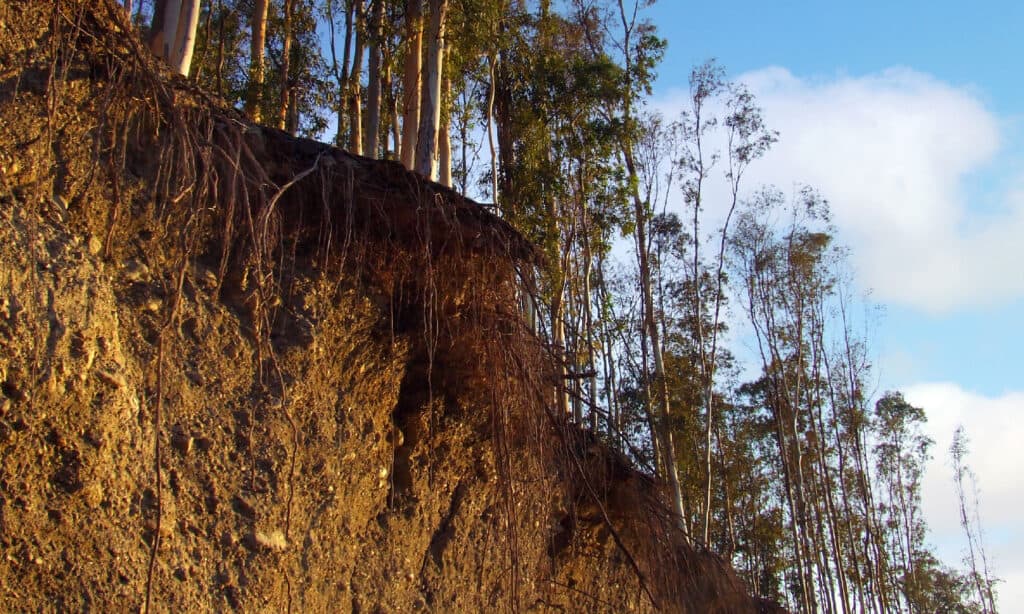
(641, 51)
(355, 104)
(371, 131)
(901, 454)
(411, 80)
(969, 521)
(257, 59)
(430, 106)
(286, 77)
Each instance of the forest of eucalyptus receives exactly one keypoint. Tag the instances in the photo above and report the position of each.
(652, 245)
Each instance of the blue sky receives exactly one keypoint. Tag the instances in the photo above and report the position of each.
(962, 42)
(909, 117)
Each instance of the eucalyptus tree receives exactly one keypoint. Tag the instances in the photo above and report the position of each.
(714, 104)
(257, 59)
(782, 271)
(430, 100)
(374, 76)
(220, 64)
(639, 50)
(970, 521)
(411, 81)
(172, 34)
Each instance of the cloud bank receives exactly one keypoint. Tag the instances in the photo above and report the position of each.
(995, 430)
(897, 154)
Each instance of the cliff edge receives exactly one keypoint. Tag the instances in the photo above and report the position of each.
(245, 371)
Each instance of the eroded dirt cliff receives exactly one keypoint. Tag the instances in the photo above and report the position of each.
(246, 371)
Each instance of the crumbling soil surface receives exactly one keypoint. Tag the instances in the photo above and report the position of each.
(241, 371)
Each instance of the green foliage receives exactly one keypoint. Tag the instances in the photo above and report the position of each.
(813, 494)
(220, 64)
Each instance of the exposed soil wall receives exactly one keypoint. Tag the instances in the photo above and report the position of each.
(245, 371)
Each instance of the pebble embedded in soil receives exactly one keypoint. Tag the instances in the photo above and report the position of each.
(111, 379)
(135, 271)
(271, 541)
(182, 442)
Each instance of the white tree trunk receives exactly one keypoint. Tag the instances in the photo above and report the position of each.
(173, 32)
(171, 13)
(185, 37)
(430, 111)
(165, 26)
(411, 81)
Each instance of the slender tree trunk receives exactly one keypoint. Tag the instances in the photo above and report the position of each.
(355, 102)
(207, 43)
(727, 494)
(292, 122)
(651, 327)
(222, 41)
(490, 127)
(393, 117)
(444, 149)
(173, 32)
(371, 132)
(257, 62)
(588, 317)
(558, 316)
(607, 355)
(832, 513)
(957, 451)
(286, 56)
(165, 16)
(185, 37)
(504, 131)
(430, 109)
(340, 73)
(649, 324)
(411, 81)
(345, 80)
(572, 337)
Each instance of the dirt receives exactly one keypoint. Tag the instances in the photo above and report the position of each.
(348, 417)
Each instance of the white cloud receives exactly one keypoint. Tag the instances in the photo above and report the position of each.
(892, 152)
(995, 428)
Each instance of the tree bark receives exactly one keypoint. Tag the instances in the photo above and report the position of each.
(392, 101)
(355, 104)
(371, 131)
(156, 28)
(649, 324)
(257, 60)
(173, 32)
(430, 109)
(411, 81)
(171, 18)
(490, 127)
(286, 53)
(444, 148)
